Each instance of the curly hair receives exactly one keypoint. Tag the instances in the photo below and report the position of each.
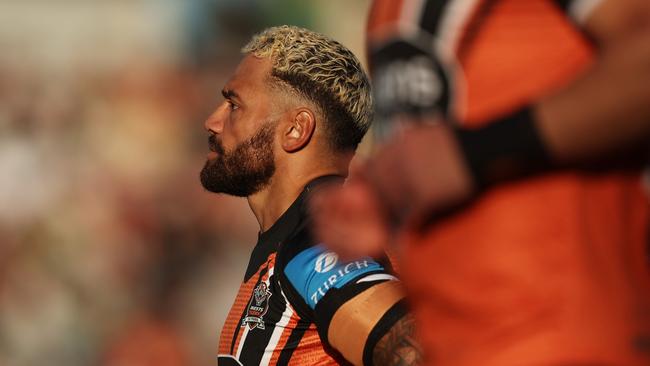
(323, 71)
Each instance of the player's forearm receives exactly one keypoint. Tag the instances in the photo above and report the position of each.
(398, 346)
(609, 108)
(605, 111)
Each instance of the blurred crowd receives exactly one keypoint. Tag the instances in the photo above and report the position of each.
(111, 253)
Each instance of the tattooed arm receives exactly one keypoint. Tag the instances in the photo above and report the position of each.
(373, 327)
(398, 346)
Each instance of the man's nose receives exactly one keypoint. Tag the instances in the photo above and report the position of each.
(214, 123)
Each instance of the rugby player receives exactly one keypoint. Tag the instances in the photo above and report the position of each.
(540, 110)
(293, 114)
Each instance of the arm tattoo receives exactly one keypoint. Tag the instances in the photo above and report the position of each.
(398, 347)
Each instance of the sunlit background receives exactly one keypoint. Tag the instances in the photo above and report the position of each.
(110, 251)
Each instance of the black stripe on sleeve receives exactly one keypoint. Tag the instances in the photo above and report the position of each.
(334, 299)
(395, 313)
(293, 341)
(433, 11)
(563, 4)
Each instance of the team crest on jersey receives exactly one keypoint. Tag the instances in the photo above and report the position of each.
(257, 307)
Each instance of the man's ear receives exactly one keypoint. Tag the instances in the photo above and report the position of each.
(299, 130)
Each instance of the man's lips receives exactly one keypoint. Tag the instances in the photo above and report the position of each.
(214, 146)
(215, 150)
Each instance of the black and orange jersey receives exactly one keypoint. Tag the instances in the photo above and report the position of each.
(551, 269)
(300, 305)
(469, 61)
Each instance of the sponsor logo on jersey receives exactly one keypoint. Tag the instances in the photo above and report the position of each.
(325, 262)
(315, 271)
(257, 307)
(336, 276)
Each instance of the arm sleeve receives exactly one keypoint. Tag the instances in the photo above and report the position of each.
(407, 78)
(315, 271)
(353, 303)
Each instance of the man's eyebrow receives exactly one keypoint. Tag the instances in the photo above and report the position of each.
(230, 94)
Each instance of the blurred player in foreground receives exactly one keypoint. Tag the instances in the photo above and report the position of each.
(294, 112)
(538, 111)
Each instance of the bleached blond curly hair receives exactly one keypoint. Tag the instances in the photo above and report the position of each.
(325, 72)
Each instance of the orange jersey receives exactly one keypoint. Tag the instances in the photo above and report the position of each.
(274, 337)
(545, 271)
(300, 305)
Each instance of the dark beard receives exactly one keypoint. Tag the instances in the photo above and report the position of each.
(243, 171)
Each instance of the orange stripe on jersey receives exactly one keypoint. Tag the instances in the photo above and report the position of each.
(293, 322)
(383, 21)
(234, 315)
(240, 336)
(232, 321)
(310, 350)
(384, 12)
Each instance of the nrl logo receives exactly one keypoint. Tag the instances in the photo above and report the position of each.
(257, 307)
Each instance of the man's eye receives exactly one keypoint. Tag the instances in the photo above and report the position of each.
(232, 106)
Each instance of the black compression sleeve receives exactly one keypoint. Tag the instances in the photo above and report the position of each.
(392, 316)
(326, 308)
(507, 148)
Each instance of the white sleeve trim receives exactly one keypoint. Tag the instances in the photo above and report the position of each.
(377, 277)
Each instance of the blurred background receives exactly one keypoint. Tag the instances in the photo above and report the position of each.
(111, 253)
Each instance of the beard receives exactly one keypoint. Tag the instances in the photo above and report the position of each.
(243, 171)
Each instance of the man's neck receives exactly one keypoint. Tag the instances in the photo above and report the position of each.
(272, 201)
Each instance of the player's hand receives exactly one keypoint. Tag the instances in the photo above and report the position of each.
(350, 219)
(420, 171)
